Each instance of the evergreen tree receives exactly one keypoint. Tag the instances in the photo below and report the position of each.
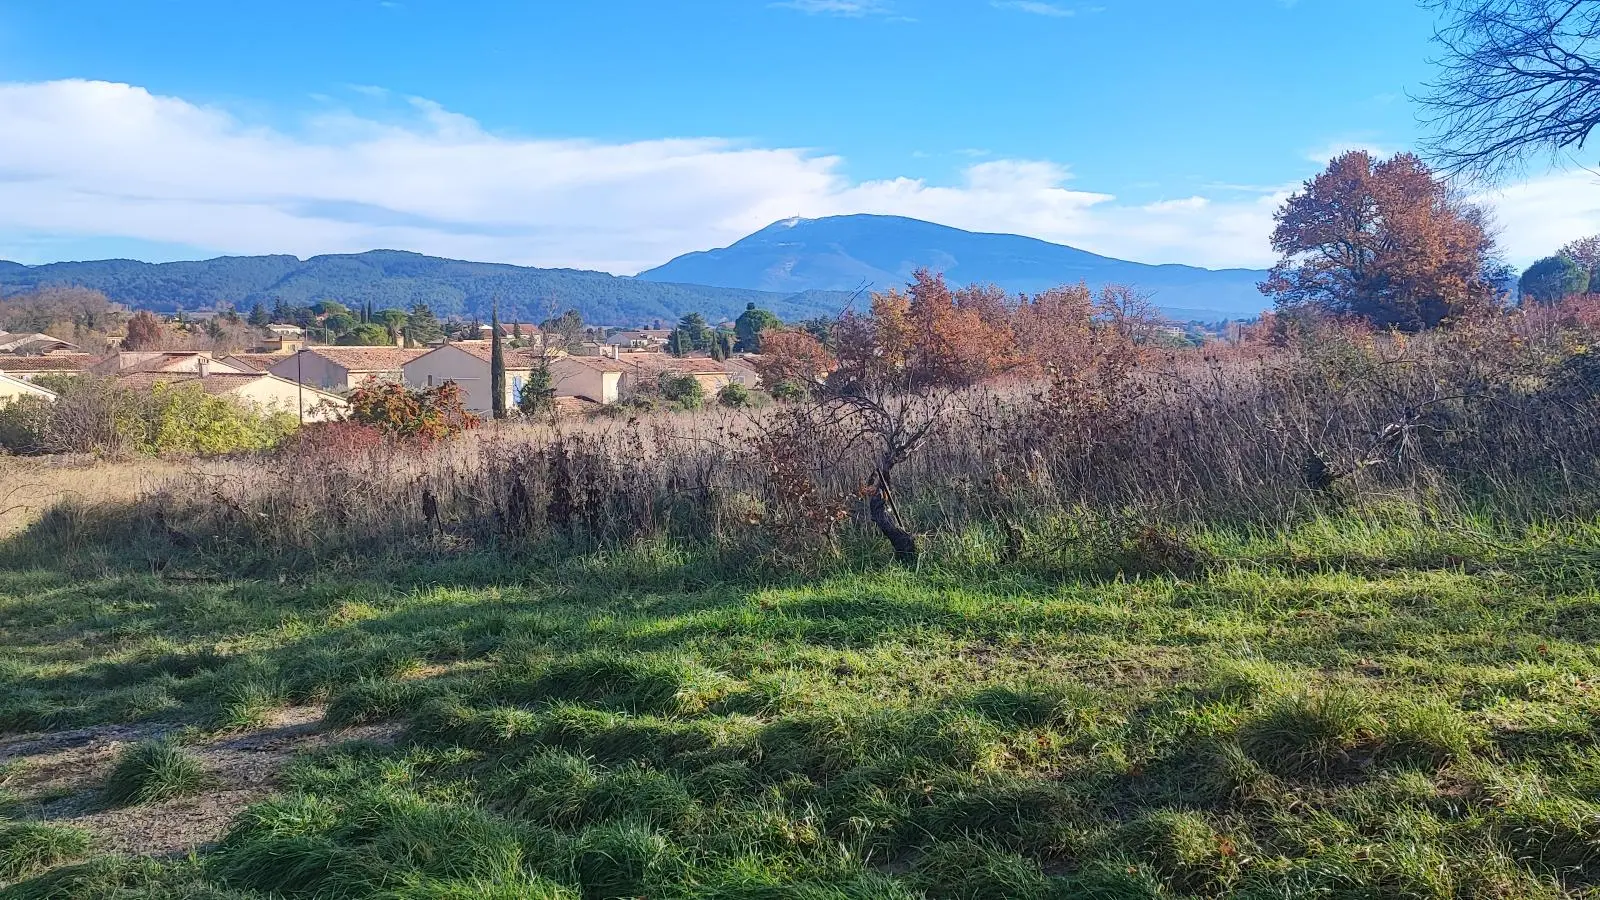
(258, 316)
(538, 395)
(497, 365)
(422, 327)
(697, 331)
(750, 324)
(679, 343)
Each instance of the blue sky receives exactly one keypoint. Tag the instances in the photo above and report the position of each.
(616, 134)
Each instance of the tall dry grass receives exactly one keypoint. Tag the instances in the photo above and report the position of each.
(1501, 411)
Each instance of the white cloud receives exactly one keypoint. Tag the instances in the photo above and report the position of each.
(847, 8)
(1039, 8)
(1536, 217)
(90, 160)
(1327, 152)
(1034, 7)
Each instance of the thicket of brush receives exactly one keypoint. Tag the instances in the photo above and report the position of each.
(1301, 420)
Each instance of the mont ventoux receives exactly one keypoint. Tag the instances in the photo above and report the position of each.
(797, 268)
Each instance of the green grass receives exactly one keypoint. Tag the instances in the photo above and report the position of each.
(29, 847)
(153, 771)
(1349, 708)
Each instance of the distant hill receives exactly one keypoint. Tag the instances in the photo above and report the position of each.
(797, 268)
(396, 279)
(842, 252)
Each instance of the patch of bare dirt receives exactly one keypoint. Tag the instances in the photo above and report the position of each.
(59, 774)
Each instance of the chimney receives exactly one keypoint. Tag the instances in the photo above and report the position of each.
(203, 366)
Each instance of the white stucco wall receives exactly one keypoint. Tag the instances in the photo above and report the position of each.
(314, 370)
(273, 394)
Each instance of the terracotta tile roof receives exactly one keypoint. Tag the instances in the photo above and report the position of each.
(125, 364)
(259, 362)
(367, 359)
(33, 342)
(55, 362)
(661, 363)
(521, 358)
(215, 384)
(598, 363)
(575, 406)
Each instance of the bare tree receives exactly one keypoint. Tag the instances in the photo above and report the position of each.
(1519, 78)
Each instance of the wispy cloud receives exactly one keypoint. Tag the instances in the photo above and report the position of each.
(1040, 8)
(1326, 152)
(848, 8)
(86, 162)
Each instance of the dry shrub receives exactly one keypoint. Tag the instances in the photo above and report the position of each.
(1152, 442)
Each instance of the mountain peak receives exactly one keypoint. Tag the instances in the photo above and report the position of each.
(842, 253)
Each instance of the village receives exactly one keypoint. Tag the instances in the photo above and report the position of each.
(288, 371)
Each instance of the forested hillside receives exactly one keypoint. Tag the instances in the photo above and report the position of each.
(395, 279)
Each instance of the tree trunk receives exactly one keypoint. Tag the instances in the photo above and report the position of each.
(903, 542)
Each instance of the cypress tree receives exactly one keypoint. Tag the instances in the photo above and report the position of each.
(497, 365)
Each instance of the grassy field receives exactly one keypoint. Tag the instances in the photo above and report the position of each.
(1353, 708)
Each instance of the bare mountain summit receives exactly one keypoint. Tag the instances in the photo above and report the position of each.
(840, 253)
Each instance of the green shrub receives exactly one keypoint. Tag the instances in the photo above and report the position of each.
(684, 390)
(734, 395)
(153, 771)
(789, 391)
(185, 419)
(96, 415)
(30, 847)
(23, 424)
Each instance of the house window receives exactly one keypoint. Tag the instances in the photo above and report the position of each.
(516, 385)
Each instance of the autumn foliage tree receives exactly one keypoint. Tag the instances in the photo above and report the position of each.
(1383, 240)
(429, 414)
(144, 332)
(895, 374)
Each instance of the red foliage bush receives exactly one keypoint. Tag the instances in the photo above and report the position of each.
(336, 438)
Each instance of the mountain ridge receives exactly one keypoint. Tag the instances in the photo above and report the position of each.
(839, 253)
(796, 267)
(399, 278)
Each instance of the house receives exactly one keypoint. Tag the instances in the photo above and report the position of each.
(527, 332)
(12, 389)
(643, 371)
(341, 369)
(597, 379)
(641, 338)
(284, 339)
(742, 368)
(255, 362)
(266, 392)
(467, 364)
(606, 379)
(128, 362)
(28, 368)
(32, 344)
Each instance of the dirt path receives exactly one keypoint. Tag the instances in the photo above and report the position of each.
(58, 776)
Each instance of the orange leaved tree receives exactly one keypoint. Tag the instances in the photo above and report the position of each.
(1384, 240)
(895, 375)
(430, 414)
